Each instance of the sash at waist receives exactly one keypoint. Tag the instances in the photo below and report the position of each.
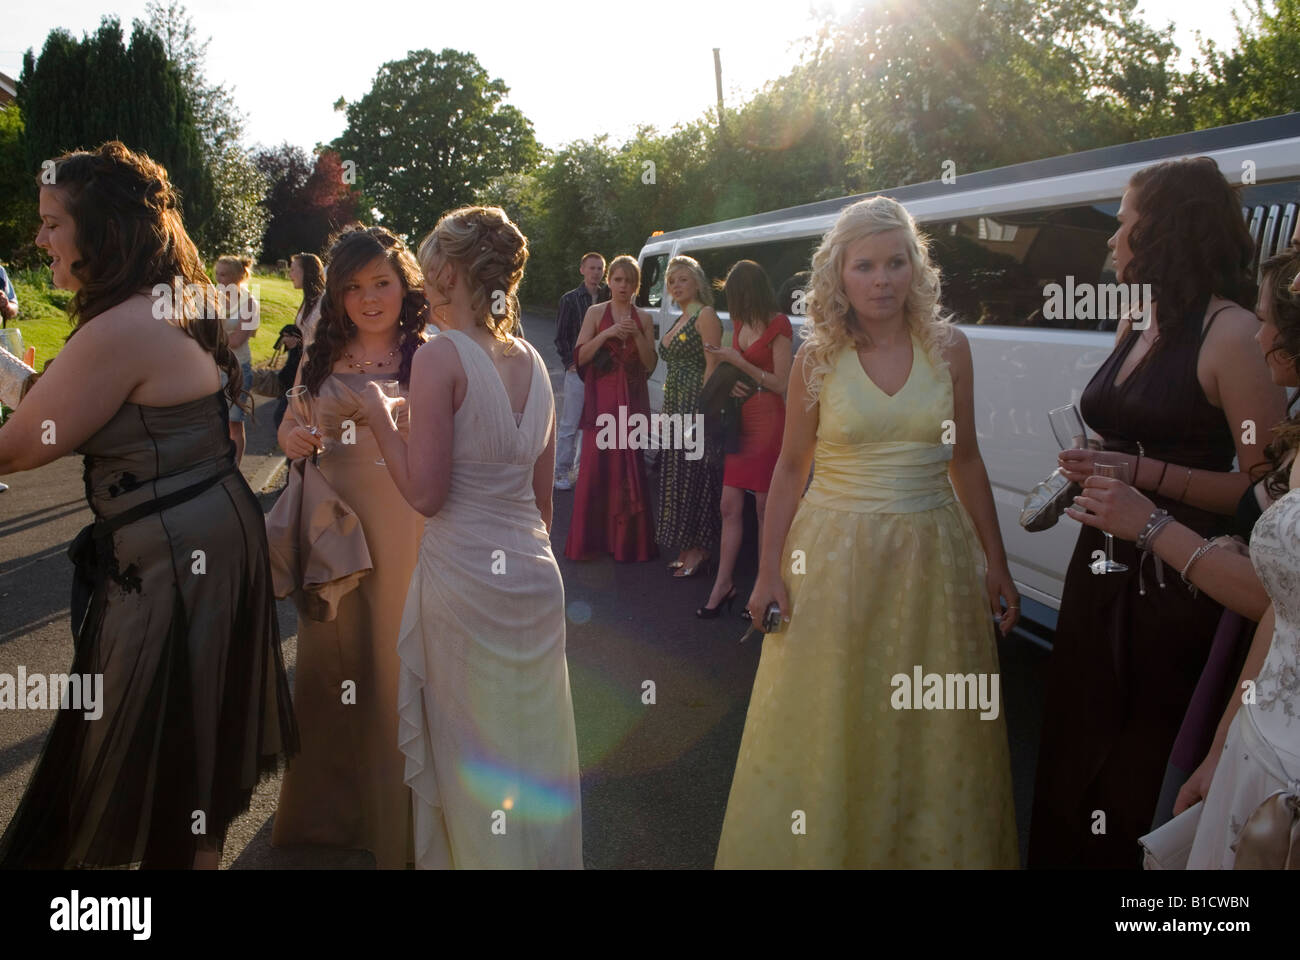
(886, 477)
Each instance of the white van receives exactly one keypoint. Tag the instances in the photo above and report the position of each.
(1000, 237)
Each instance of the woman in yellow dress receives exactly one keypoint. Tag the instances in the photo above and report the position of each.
(875, 735)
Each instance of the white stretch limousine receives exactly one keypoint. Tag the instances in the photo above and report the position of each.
(1002, 238)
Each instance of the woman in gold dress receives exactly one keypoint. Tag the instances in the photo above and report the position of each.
(346, 788)
(875, 735)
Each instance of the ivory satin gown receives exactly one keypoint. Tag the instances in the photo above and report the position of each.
(486, 718)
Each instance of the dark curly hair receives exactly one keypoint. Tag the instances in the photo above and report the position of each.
(352, 249)
(129, 235)
(1281, 305)
(1190, 241)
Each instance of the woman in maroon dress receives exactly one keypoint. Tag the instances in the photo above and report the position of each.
(615, 353)
(762, 348)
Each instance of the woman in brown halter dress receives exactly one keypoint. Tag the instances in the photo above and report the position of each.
(1173, 401)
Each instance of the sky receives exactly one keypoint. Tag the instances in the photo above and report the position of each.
(575, 69)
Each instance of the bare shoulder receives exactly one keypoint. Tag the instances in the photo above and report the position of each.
(135, 331)
(437, 353)
(522, 353)
(956, 346)
(1233, 323)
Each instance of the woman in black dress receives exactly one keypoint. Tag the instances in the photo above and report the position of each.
(1174, 401)
(172, 598)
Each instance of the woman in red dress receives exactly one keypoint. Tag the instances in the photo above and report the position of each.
(615, 352)
(762, 348)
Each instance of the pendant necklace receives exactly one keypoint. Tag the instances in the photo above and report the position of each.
(360, 365)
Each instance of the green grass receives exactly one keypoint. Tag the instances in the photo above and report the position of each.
(43, 318)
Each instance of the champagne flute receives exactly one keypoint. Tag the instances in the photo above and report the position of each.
(304, 411)
(1120, 472)
(1067, 426)
(390, 388)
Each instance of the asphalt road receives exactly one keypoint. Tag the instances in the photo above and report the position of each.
(654, 777)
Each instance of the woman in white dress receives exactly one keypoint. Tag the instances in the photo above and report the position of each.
(486, 717)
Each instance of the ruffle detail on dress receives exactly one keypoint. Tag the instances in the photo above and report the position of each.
(318, 548)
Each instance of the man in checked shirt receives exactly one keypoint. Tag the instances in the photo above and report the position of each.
(573, 307)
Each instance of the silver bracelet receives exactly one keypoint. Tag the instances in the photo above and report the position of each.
(1158, 519)
(1201, 551)
(1151, 536)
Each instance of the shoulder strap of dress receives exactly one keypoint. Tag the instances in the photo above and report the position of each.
(1209, 323)
(771, 331)
(465, 347)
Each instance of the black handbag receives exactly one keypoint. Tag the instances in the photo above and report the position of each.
(721, 410)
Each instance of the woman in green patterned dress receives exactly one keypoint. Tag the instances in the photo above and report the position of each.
(686, 513)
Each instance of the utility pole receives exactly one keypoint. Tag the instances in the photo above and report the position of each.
(717, 74)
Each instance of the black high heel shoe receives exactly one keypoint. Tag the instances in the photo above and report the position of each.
(708, 613)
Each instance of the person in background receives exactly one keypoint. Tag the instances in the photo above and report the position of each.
(242, 314)
(8, 297)
(573, 307)
(616, 351)
(686, 512)
(8, 310)
(308, 275)
(762, 347)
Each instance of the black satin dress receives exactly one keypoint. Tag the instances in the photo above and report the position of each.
(1124, 666)
(181, 623)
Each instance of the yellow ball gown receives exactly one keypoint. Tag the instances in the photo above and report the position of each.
(841, 764)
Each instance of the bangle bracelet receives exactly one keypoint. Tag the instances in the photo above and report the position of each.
(1186, 486)
(1155, 531)
(1200, 551)
(1161, 482)
(1157, 519)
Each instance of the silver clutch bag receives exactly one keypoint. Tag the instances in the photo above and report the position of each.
(15, 376)
(1047, 501)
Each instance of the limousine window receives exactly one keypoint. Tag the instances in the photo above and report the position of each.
(651, 293)
(998, 270)
(782, 259)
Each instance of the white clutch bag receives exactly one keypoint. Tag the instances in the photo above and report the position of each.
(1168, 846)
(15, 376)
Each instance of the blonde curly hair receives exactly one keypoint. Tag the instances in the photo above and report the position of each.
(491, 252)
(829, 311)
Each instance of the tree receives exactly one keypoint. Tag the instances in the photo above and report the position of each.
(1260, 77)
(73, 97)
(912, 83)
(305, 202)
(236, 221)
(19, 213)
(432, 130)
